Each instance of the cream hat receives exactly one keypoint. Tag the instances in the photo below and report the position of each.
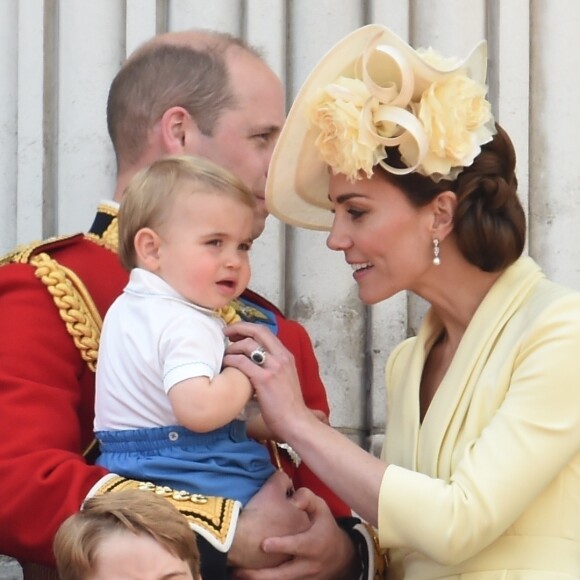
(370, 91)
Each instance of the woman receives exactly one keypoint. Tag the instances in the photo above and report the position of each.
(398, 152)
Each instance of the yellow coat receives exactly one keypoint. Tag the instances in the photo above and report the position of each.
(488, 486)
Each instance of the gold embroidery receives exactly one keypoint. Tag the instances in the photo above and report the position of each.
(213, 514)
(21, 254)
(178, 496)
(248, 312)
(107, 209)
(228, 314)
(75, 305)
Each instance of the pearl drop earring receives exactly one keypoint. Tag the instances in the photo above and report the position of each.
(436, 251)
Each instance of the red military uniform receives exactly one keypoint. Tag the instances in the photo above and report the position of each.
(48, 347)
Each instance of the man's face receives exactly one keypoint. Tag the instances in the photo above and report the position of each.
(243, 138)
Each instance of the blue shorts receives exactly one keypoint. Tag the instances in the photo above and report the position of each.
(223, 462)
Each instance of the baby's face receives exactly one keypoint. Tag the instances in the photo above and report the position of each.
(204, 248)
(128, 556)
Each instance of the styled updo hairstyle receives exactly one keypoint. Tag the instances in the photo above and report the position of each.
(489, 222)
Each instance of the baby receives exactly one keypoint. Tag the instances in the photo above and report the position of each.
(165, 411)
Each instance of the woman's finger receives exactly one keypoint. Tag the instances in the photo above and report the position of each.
(244, 364)
(261, 335)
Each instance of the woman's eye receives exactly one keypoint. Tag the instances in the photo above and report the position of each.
(216, 243)
(355, 213)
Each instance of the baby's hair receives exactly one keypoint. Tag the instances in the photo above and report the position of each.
(151, 193)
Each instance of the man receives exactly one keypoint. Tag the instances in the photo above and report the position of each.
(196, 93)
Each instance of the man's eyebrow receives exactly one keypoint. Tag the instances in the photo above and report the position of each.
(267, 129)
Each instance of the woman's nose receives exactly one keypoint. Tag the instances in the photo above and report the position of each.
(337, 240)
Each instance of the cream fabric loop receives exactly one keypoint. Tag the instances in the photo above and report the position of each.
(389, 94)
(387, 106)
(408, 127)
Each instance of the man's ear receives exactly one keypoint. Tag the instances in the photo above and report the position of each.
(178, 130)
(444, 206)
(147, 243)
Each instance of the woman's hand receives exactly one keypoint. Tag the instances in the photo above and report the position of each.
(275, 380)
(271, 512)
(322, 552)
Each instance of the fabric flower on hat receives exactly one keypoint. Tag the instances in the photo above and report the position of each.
(456, 117)
(338, 112)
(438, 132)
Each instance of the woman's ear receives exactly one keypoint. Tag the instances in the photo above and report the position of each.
(179, 132)
(147, 243)
(444, 206)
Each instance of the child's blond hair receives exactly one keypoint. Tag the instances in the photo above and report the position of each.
(152, 191)
(79, 537)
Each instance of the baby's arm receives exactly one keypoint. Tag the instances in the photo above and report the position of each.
(201, 404)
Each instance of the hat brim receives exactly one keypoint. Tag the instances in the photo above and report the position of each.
(297, 185)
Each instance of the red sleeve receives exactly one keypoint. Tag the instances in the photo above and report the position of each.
(296, 339)
(45, 422)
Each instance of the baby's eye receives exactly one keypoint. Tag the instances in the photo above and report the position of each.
(216, 242)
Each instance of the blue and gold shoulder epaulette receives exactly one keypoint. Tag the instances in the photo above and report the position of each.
(251, 312)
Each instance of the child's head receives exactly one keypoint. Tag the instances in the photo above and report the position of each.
(129, 534)
(190, 222)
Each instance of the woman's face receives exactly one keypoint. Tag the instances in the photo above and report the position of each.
(386, 240)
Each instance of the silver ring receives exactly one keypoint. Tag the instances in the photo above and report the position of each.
(258, 356)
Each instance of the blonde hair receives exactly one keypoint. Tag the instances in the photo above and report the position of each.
(79, 537)
(151, 193)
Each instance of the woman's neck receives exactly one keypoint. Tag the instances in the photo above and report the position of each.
(456, 298)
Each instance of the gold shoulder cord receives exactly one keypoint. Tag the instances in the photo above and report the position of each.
(75, 305)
